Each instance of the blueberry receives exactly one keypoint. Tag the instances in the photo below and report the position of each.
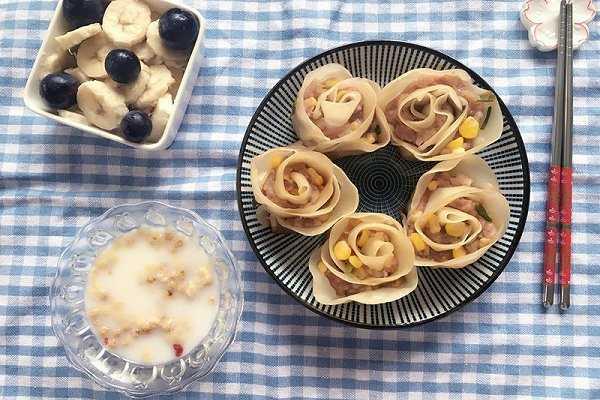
(83, 12)
(122, 65)
(59, 90)
(136, 126)
(178, 29)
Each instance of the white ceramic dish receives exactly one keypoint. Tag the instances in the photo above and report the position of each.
(58, 26)
(540, 18)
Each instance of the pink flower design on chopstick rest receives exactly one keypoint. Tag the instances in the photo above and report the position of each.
(540, 17)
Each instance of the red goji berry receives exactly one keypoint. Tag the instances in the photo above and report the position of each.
(178, 349)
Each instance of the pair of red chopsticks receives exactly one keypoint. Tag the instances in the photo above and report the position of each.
(560, 182)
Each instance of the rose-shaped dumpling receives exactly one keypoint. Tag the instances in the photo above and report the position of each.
(367, 258)
(470, 170)
(300, 190)
(456, 224)
(440, 115)
(335, 111)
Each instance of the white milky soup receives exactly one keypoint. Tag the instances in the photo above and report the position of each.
(152, 295)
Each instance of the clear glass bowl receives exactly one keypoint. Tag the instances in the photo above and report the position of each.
(71, 326)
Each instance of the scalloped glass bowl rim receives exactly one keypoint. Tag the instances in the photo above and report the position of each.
(100, 379)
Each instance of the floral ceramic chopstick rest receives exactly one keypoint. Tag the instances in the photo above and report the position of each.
(540, 18)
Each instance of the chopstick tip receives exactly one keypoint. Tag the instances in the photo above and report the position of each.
(565, 297)
(548, 298)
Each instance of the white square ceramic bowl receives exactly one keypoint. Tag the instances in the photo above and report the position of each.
(58, 26)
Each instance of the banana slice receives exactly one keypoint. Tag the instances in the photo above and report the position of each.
(156, 60)
(125, 22)
(144, 51)
(55, 62)
(78, 74)
(132, 91)
(101, 104)
(73, 38)
(179, 63)
(177, 74)
(73, 116)
(160, 117)
(91, 55)
(158, 85)
(155, 42)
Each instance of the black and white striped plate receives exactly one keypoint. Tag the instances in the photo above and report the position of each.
(385, 183)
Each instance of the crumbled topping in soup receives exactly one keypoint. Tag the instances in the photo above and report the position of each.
(152, 295)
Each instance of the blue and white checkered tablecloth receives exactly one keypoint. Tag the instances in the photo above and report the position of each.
(53, 179)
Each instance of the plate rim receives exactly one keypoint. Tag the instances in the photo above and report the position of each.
(505, 112)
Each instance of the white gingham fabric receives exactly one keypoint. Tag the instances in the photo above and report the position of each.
(53, 179)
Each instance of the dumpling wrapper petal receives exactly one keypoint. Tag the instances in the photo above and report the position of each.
(338, 197)
(359, 146)
(447, 214)
(307, 131)
(487, 135)
(260, 167)
(347, 204)
(315, 160)
(376, 253)
(470, 165)
(325, 294)
(495, 204)
(336, 114)
(403, 249)
(443, 136)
